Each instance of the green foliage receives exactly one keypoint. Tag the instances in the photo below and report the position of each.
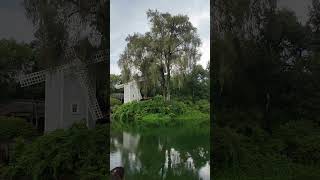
(13, 57)
(160, 113)
(171, 42)
(115, 80)
(266, 84)
(114, 102)
(53, 31)
(194, 84)
(246, 151)
(76, 153)
(11, 127)
(134, 111)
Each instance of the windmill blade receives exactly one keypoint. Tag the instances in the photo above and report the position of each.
(70, 53)
(33, 78)
(119, 86)
(99, 57)
(87, 87)
(38, 77)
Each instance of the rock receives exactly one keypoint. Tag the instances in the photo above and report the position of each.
(117, 173)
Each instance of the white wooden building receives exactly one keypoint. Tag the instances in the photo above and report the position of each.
(131, 91)
(70, 92)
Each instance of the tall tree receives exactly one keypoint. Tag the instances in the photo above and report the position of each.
(67, 23)
(15, 58)
(171, 47)
(81, 24)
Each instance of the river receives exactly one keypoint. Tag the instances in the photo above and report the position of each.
(161, 154)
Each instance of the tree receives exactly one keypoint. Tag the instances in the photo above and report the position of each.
(137, 62)
(274, 67)
(81, 24)
(314, 16)
(195, 84)
(60, 24)
(114, 80)
(15, 58)
(171, 47)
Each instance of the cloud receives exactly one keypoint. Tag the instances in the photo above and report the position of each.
(14, 23)
(128, 17)
(114, 69)
(298, 6)
(205, 53)
(201, 17)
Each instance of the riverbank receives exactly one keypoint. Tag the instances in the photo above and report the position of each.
(244, 150)
(157, 112)
(158, 139)
(74, 153)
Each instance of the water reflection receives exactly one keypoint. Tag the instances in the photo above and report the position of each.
(157, 156)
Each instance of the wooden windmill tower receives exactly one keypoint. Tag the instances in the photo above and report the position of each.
(70, 92)
(131, 91)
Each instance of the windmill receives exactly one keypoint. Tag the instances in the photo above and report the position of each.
(70, 92)
(131, 91)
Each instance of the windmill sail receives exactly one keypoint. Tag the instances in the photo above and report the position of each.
(99, 57)
(80, 70)
(33, 78)
(87, 87)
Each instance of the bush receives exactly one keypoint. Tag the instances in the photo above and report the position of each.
(12, 127)
(76, 153)
(203, 106)
(114, 102)
(160, 113)
(301, 139)
(244, 150)
(135, 111)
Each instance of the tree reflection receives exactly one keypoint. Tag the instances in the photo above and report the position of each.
(162, 155)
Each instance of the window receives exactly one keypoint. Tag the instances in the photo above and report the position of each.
(74, 108)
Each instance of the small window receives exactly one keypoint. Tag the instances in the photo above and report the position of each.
(74, 108)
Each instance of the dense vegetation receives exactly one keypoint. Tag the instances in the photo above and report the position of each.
(164, 61)
(169, 50)
(17, 58)
(75, 153)
(11, 128)
(266, 92)
(160, 113)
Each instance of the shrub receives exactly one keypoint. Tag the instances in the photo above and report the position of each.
(12, 127)
(114, 102)
(76, 153)
(134, 111)
(203, 106)
(158, 112)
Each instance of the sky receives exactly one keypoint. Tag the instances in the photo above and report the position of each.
(129, 16)
(13, 21)
(300, 7)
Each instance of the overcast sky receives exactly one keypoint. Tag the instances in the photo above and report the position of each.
(13, 21)
(300, 7)
(129, 16)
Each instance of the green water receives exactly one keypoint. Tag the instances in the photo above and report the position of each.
(161, 154)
